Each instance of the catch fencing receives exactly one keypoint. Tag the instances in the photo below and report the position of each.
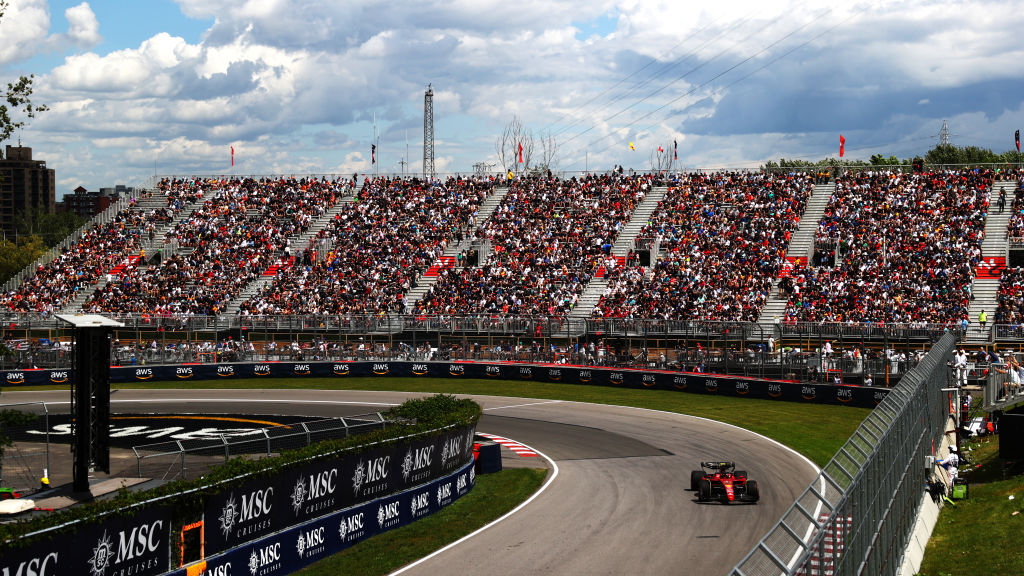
(858, 515)
(177, 459)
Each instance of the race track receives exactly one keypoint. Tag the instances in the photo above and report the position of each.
(619, 504)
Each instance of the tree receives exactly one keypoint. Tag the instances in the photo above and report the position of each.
(52, 228)
(661, 160)
(17, 101)
(507, 146)
(548, 152)
(14, 256)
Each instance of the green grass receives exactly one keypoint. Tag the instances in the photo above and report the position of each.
(814, 430)
(981, 535)
(493, 496)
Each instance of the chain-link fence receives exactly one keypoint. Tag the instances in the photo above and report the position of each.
(858, 515)
(26, 461)
(181, 459)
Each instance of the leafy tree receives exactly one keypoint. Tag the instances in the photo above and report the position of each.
(52, 228)
(14, 256)
(17, 100)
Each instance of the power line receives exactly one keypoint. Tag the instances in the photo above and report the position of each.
(737, 65)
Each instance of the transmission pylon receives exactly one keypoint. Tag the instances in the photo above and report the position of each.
(944, 135)
(428, 133)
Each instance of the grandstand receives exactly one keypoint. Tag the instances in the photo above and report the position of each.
(710, 268)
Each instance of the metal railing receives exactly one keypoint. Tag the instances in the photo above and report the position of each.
(108, 215)
(1001, 390)
(27, 460)
(176, 459)
(858, 515)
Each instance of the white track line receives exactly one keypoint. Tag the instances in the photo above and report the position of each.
(522, 405)
(550, 479)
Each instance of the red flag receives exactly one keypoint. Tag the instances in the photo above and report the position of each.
(373, 153)
(520, 152)
(660, 150)
(842, 145)
(1016, 137)
(232, 155)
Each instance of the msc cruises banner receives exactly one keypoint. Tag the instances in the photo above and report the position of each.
(629, 378)
(259, 507)
(138, 545)
(291, 549)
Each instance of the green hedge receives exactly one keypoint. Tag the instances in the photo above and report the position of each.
(185, 497)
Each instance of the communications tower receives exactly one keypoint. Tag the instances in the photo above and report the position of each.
(428, 133)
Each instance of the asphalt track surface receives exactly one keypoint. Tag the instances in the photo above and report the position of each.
(620, 503)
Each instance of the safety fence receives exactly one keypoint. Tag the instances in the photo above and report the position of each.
(26, 460)
(177, 459)
(791, 351)
(858, 515)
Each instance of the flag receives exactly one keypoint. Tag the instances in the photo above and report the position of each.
(233, 155)
(675, 150)
(373, 153)
(660, 150)
(520, 152)
(631, 147)
(1016, 138)
(842, 145)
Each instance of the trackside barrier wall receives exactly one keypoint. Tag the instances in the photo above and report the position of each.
(289, 550)
(858, 515)
(701, 383)
(398, 480)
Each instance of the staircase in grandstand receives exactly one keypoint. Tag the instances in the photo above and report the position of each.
(148, 247)
(985, 288)
(298, 245)
(620, 249)
(800, 250)
(447, 258)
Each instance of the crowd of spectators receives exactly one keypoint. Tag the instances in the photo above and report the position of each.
(724, 236)
(99, 249)
(242, 228)
(548, 237)
(895, 247)
(372, 253)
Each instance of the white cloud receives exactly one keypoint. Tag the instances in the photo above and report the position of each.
(23, 29)
(296, 82)
(83, 28)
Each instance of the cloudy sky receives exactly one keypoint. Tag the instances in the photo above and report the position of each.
(169, 86)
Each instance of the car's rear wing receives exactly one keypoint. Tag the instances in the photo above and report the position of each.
(717, 465)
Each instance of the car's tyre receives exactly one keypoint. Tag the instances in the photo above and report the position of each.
(704, 490)
(753, 495)
(695, 477)
(740, 473)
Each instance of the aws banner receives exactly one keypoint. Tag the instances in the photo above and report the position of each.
(618, 377)
(290, 550)
(138, 545)
(266, 505)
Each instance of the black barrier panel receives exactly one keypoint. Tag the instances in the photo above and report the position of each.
(292, 549)
(138, 544)
(265, 505)
(618, 377)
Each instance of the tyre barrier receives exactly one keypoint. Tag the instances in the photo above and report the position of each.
(701, 383)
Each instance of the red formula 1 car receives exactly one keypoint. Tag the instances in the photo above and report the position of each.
(721, 481)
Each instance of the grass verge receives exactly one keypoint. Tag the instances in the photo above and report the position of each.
(493, 496)
(814, 430)
(985, 533)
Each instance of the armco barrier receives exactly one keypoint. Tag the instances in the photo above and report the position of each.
(700, 383)
(293, 548)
